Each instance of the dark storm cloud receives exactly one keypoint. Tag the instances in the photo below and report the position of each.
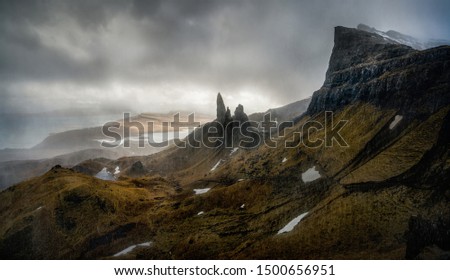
(165, 55)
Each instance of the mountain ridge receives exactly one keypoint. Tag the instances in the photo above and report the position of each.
(403, 39)
(373, 71)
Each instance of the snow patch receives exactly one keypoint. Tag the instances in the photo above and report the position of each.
(234, 150)
(132, 247)
(104, 174)
(396, 120)
(117, 170)
(201, 191)
(310, 175)
(284, 160)
(290, 226)
(217, 165)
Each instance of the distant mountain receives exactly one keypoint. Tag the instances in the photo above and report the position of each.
(284, 113)
(383, 194)
(403, 39)
(72, 147)
(13, 172)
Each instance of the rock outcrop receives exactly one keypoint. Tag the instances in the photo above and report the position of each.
(224, 115)
(229, 123)
(239, 114)
(221, 112)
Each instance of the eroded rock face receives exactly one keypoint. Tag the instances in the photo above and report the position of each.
(367, 67)
(229, 122)
(224, 115)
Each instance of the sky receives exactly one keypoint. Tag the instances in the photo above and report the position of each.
(159, 56)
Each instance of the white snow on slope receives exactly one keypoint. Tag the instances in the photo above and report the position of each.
(104, 174)
(201, 191)
(396, 120)
(132, 247)
(217, 165)
(290, 226)
(310, 175)
(234, 150)
(117, 170)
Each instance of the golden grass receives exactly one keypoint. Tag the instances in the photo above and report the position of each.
(84, 217)
(368, 225)
(402, 155)
(75, 208)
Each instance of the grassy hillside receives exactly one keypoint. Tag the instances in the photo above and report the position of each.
(252, 195)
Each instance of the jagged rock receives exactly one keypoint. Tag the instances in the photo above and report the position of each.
(239, 114)
(224, 117)
(221, 112)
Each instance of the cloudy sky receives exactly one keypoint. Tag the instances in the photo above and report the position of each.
(176, 55)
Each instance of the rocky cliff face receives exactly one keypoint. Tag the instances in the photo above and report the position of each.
(368, 67)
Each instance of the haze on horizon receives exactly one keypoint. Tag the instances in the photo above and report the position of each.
(160, 56)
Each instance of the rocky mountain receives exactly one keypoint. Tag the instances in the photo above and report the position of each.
(364, 67)
(374, 188)
(284, 113)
